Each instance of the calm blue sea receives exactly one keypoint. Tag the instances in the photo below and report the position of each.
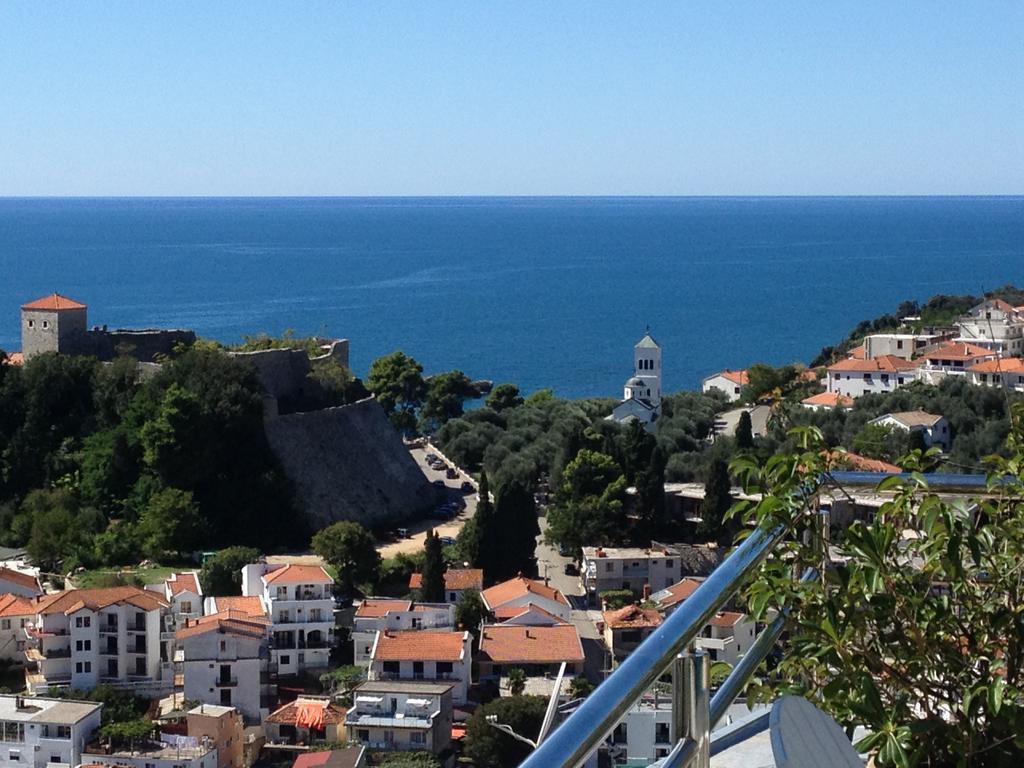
(539, 291)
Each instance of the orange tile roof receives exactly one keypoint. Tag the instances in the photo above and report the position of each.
(857, 353)
(287, 715)
(510, 644)
(420, 645)
(739, 376)
(519, 586)
(15, 605)
(880, 364)
(298, 574)
(837, 459)
(415, 581)
(679, 591)
(632, 617)
(71, 600)
(15, 358)
(54, 302)
(226, 622)
(184, 582)
(375, 608)
(829, 399)
(249, 605)
(515, 611)
(957, 350)
(999, 365)
(464, 578)
(26, 580)
(727, 619)
(1005, 306)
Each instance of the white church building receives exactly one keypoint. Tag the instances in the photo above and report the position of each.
(641, 398)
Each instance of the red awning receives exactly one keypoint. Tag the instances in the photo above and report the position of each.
(310, 715)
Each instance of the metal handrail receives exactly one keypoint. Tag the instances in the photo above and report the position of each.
(589, 726)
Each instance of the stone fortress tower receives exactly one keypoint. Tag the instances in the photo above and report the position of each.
(53, 323)
(641, 397)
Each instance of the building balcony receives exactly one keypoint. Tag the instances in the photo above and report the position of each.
(136, 629)
(108, 629)
(35, 633)
(226, 682)
(110, 650)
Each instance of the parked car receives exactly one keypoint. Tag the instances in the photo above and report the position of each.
(439, 483)
(570, 569)
(451, 473)
(447, 541)
(431, 457)
(564, 550)
(467, 486)
(403, 533)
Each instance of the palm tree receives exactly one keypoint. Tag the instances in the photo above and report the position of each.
(516, 681)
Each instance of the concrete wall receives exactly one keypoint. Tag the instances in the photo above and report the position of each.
(349, 463)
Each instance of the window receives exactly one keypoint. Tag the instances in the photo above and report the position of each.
(669, 563)
(452, 597)
(608, 567)
(661, 733)
(31, 323)
(225, 697)
(416, 622)
(899, 343)
(630, 636)
(286, 659)
(363, 734)
(443, 667)
(5, 624)
(12, 732)
(46, 323)
(78, 668)
(392, 667)
(223, 645)
(82, 621)
(83, 645)
(186, 606)
(281, 593)
(88, 667)
(620, 734)
(417, 737)
(417, 669)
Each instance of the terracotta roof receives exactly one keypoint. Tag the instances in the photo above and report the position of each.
(727, 619)
(837, 459)
(676, 593)
(415, 581)
(248, 605)
(515, 611)
(420, 645)
(957, 350)
(226, 622)
(71, 600)
(880, 364)
(375, 608)
(298, 574)
(632, 617)
(735, 376)
(857, 353)
(911, 418)
(26, 580)
(184, 582)
(54, 302)
(286, 715)
(997, 304)
(464, 578)
(335, 758)
(519, 586)
(15, 358)
(829, 399)
(509, 643)
(15, 605)
(999, 365)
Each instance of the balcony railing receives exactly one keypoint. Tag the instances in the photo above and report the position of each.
(695, 713)
(227, 682)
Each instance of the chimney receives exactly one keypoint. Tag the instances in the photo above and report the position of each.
(599, 552)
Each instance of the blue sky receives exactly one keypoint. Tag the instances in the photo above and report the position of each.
(435, 98)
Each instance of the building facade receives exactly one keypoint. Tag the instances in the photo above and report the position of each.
(401, 715)
(995, 325)
(641, 396)
(614, 568)
(436, 656)
(380, 614)
(729, 382)
(40, 732)
(879, 375)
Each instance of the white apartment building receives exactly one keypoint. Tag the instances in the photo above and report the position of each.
(854, 377)
(995, 325)
(184, 597)
(643, 734)
(424, 655)
(1007, 372)
(80, 638)
(728, 382)
(728, 636)
(301, 608)
(950, 359)
(905, 345)
(19, 583)
(180, 752)
(15, 614)
(933, 428)
(225, 661)
(634, 568)
(379, 614)
(41, 732)
(401, 715)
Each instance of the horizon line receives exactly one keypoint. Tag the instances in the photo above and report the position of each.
(878, 196)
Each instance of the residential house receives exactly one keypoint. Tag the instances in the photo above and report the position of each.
(905, 345)
(20, 583)
(952, 358)
(521, 591)
(401, 715)
(249, 605)
(16, 613)
(301, 609)
(1006, 372)
(537, 651)
(627, 627)
(728, 636)
(826, 401)
(852, 377)
(424, 655)
(307, 720)
(223, 728)
(184, 596)
(644, 733)
(854, 462)
(995, 325)
(80, 638)
(529, 615)
(729, 382)
(673, 596)
(225, 661)
(349, 757)
(39, 732)
(934, 429)
(456, 581)
(614, 568)
(375, 615)
(167, 752)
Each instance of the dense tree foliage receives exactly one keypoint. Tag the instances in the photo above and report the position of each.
(432, 590)
(717, 501)
(744, 432)
(445, 395)
(515, 538)
(351, 550)
(397, 382)
(486, 745)
(503, 397)
(221, 574)
(588, 508)
(470, 613)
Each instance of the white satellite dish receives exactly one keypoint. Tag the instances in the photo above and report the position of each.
(805, 737)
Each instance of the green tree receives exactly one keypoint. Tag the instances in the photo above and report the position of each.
(744, 432)
(516, 681)
(914, 638)
(470, 613)
(351, 551)
(881, 442)
(717, 501)
(410, 760)
(432, 590)
(580, 687)
(221, 575)
(126, 734)
(59, 529)
(515, 515)
(479, 540)
(650, 494)
(343, 680)
(445, 395)
(540, 397)
(397, 382)
(170, 523)
(588, 506)
(504, 397)
(766, 381)
(486, 745)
